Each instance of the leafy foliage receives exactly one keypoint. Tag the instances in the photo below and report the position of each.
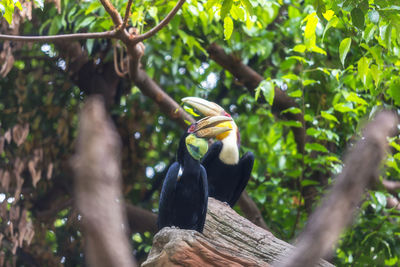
(338, 59)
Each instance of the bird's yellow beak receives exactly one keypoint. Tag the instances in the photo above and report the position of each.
(210, 127)
(207, 108)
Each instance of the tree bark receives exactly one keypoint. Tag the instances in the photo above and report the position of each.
(97, 185)
(228, 240)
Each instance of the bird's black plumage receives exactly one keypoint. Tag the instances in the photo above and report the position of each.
(184, 195)
(226, 181)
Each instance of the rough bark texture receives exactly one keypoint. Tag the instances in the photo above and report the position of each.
(98, 188)
(228, 240)
(361, 171)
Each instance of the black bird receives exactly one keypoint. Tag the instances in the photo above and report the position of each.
(227, 174)
(184, 195)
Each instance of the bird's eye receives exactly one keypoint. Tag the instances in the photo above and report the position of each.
(191, 128)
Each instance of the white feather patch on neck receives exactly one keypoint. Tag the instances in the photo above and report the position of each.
(230, 151)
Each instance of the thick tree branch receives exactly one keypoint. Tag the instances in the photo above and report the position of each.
(167, 105)
(162, 24)
(251, 211)
(251, 79)
(98, 188)
(228, 240)
(141, 220)
(60, 37)
(361, 170)
(391, 186)
(112, 11)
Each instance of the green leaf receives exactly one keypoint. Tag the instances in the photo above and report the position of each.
(328, 116)
(8, 14)
(55, 25)
(153, 12)
(249, 7)
(373, 16)
(228, 27)
(316, 147)
(369, 32)
(237, 13)
(18, 4)
(268, 90)
(210, 4)
(93, 7)
(353, 97)
(319, 6)
(394, 91)
(39, 3)
(391, 261)
(344, 48)
(226, 7)
(297, 93)
(299, 48)
(309, 32)
(291, 123)
(290, 76)
(308, 82)
(390, 8)
(313, 132)
(292, 110)
(381, 198)
(363, 69)
(307, 182)
(332, 23)
(357, 16)
(343, 107)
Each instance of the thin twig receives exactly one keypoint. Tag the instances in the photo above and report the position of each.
(162, 24)
(127, 14)
(51, 38)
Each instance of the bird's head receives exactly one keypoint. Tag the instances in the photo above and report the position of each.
(208, 108)
(197, 133)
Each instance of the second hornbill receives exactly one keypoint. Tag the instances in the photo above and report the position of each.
(184, 194)
(227, 173)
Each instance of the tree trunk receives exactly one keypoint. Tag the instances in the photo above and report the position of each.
(228, 240)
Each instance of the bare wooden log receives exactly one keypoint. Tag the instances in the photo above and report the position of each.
(228, 240)
(361, 171)
(98, 188)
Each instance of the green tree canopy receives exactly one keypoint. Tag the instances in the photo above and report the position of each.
(300, 78)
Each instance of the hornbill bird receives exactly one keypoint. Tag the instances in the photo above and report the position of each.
(227, 174)
(184, 194)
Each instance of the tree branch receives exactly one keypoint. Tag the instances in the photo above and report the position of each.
(391, 186)
(61, 37)
(127, 14)
(162, 24)
(112, 11)
(361, 170)
(251, 211)
(141, 220)
(228, 240)
(98, 188)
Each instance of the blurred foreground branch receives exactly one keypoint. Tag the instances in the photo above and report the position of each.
(98, 188)
(360, 172)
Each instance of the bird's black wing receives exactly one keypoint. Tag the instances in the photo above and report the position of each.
(167, 196)
(245, 166)
(204, 185)
(212, 153)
